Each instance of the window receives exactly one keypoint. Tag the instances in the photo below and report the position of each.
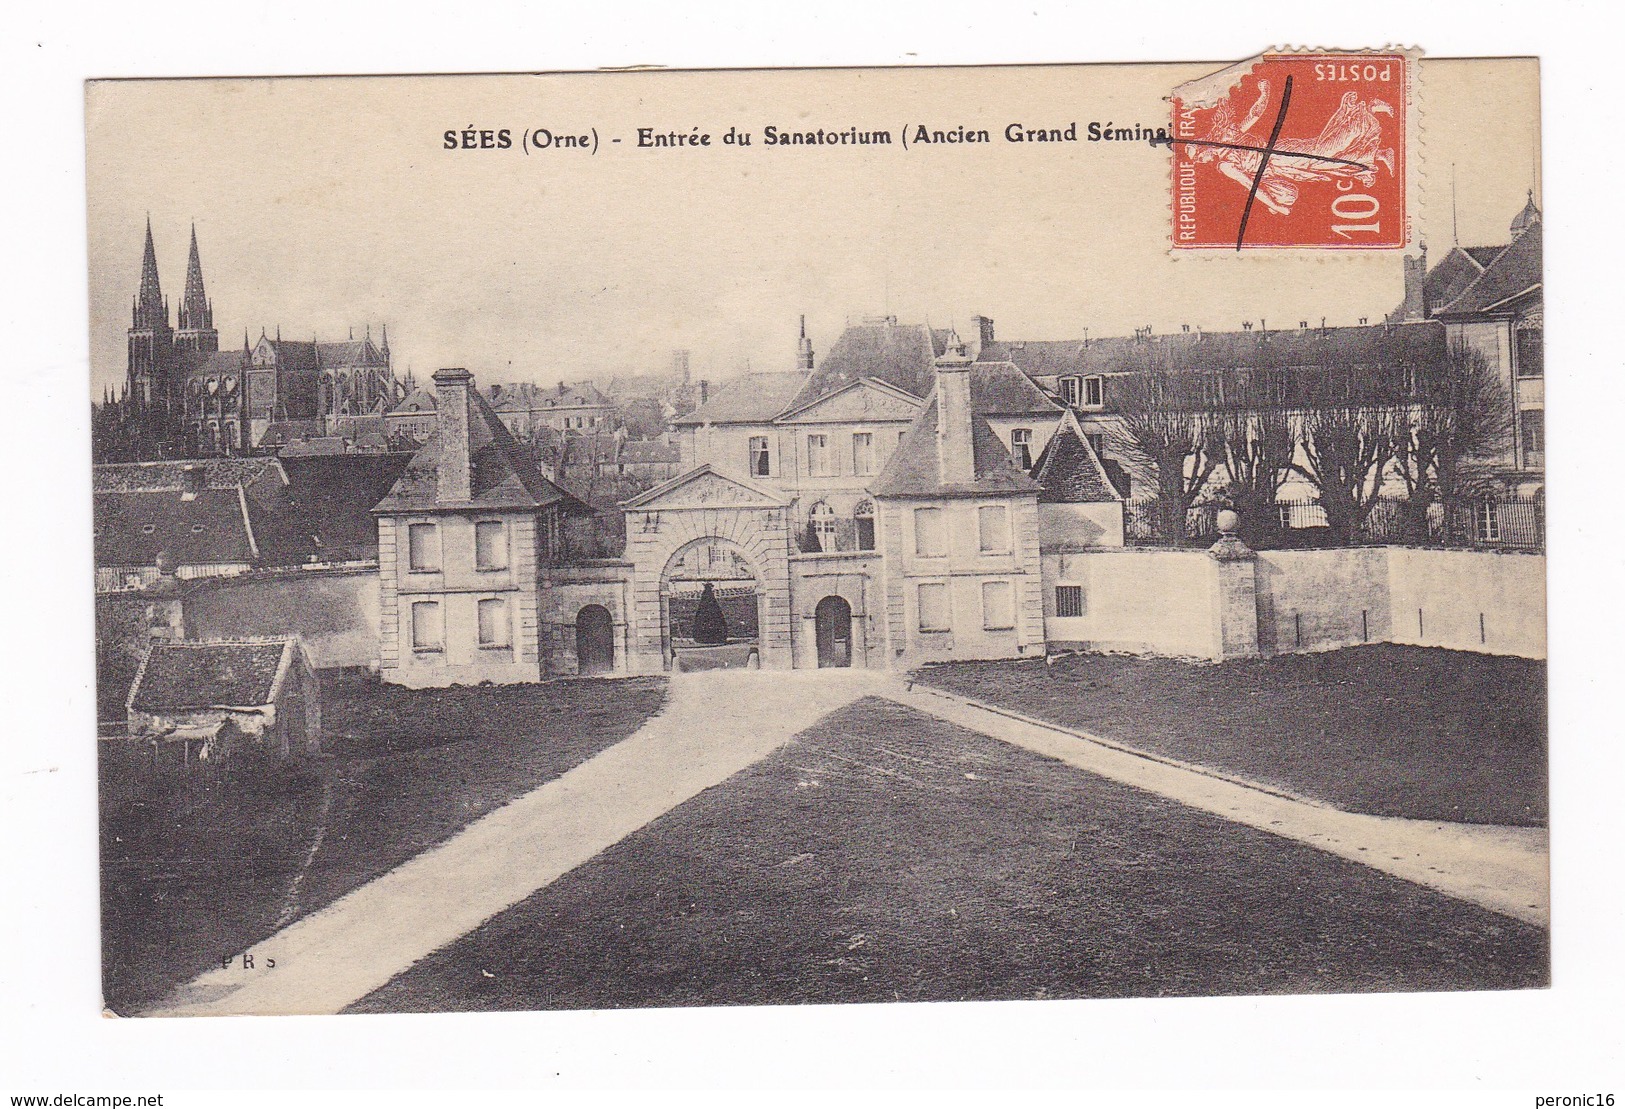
(822, 526)
(1072, 390)
(818, 459)
(761, 464)
(932, 600)
(993, 525)
(493, 613)
(1531, 351)
(490, 545)
(428, 632)
(998, 605)
(863, 452)
(1094, 392)
(1486, 522)
(1532, 431)
(1069, 600)
(929, 540)
(864, 517)
(423, 547)
(1021, 447)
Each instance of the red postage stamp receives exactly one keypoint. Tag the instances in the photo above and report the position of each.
(1294, 150)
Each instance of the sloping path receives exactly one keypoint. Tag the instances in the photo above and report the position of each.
(1503, 869)
(719, 723)
(714, 725)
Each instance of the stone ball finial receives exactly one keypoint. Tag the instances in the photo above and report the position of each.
(1229, 522)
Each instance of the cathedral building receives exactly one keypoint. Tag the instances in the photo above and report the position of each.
(185, 397)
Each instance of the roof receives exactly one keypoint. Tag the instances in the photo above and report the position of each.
(1037, 357)
(901, 355)
(219, 473)
(1002, 389)
(649, 451)
(132, 527)
(748, 399)
(279, 433)
(199, 363)
(181, 675)
(504, 475)
(1070, 471)
(353, 352)
(330, 499)
(1215, 350)
(417, 402)
(1516, 270)
(292, 354)
(316, 444)
(914, 470)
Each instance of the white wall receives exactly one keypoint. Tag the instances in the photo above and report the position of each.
(1455, 590)
(1318, 600)
(1140, 601)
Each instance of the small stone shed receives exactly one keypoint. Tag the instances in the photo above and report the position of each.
(211, 700)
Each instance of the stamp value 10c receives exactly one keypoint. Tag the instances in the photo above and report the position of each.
(1293, 150)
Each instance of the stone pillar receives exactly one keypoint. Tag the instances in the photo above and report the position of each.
(1235, 593)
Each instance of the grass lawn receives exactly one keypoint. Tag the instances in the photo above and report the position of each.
(191, 873)
(1382, 729)
(885, 855)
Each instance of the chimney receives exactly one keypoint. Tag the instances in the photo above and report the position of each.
(455, 478)
(804, 350)
(193, 480)
(984, 329)
(705, 390)
(956, 460)
(1416, 284)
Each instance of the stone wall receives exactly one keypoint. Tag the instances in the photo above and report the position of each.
(334, 612)
(1139, 601)
(1319, 600)
(1488, 601)
(657, 535)
(565, 591)
(1189, 603)
(856, 579)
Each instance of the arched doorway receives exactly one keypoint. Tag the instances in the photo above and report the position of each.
(832, 620)
(595, 641)
(719, 564)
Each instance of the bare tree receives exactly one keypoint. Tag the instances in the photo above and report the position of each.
(1165, 426)
(1346, 440)
(1457, 420)
(1257, 436)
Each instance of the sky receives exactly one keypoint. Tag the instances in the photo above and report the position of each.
(326, 204)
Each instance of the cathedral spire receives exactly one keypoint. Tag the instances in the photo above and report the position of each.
(149, 299)
(196, 318)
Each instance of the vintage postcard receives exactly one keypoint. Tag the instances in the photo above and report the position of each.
(641, 539)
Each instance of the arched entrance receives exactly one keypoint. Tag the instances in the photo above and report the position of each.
(595, 641)
(715, 563)
(832, 620)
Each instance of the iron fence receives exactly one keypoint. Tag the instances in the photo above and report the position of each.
(1499, 523)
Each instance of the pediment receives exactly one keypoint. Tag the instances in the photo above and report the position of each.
(862, 401)
(707, 488)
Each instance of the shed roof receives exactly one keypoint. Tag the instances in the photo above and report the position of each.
(180, 675)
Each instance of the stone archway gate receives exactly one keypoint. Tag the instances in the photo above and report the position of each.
(705, 503)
